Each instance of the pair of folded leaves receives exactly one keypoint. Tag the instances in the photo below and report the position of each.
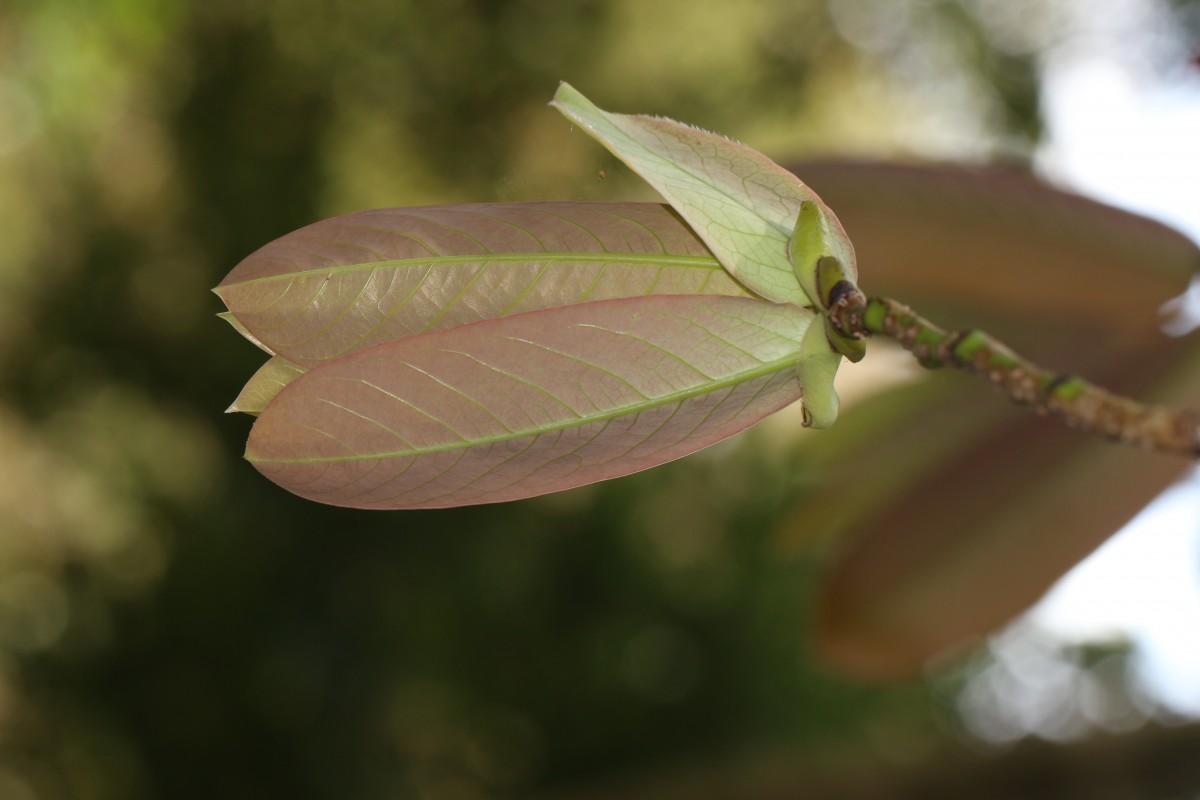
(451, 355)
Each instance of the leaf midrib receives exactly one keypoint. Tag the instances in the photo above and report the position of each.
(764, 369)
(698, 262)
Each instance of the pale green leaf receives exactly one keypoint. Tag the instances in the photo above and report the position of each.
(743, 205)
(817, 368)
(816, 252)
(240, 328)
(262, 387)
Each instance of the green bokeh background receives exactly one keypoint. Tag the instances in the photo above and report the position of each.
(174, 626)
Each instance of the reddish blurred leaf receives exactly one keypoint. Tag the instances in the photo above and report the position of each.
(943, 543)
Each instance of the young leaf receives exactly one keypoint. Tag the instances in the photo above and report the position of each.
(743, 205)
(811, 252)
(533, 403)
(815, 252)
(360, 279)
(240, 328)
(817, 368)
(262, 387)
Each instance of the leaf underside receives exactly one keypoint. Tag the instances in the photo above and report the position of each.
(743, 205)
(240, 328)
(361, 279)
(264, 384)
(539, 402)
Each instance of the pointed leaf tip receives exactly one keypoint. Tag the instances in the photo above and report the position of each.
(262, 387)
(240, 328)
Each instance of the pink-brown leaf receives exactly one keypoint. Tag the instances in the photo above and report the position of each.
(354, 281)
(533, 403)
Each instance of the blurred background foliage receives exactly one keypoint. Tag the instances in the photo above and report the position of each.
(172, 626)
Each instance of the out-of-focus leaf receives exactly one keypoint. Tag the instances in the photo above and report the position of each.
(979, 535)
(262, 387)
(743, 205)
(1059, 277)
(360, 279)
(964, 510)
(533, 403)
